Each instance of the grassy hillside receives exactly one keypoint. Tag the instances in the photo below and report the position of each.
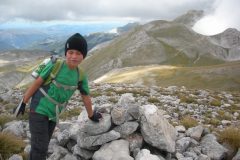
(155, 43)
(16, 68)
(216, 77)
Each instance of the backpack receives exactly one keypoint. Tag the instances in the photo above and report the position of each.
(58, 62)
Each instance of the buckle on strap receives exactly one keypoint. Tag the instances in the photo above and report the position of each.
(54, 102)
(51, 99)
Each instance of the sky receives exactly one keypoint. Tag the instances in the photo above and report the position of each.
(219, 14)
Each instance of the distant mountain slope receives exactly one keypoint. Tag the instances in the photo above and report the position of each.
(230, 40)
(19, 39)
(52, 39)
(16, 66)
(6, 46)
(98, 38)
(157, 42)
(127, 27)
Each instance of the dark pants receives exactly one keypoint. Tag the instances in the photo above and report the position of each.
(41, 132)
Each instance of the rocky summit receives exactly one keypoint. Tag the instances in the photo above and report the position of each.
(141, 123)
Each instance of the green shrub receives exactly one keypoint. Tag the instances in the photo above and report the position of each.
(233, 108)
(10, 144)
(4, 102)
(176, 110)
(122, 91)
(153, 100)
(215, 102)
(70, 113)
(109, 94)
(110, 90)
(137, 92)
(95, 94)
(113, 100)
(1, 100)
(185, 99)
(215, 122)
(230, 135)
(222, 115)
(208, 114)
(188, 122)
(10, 106)
(24, 117)
(5, 119)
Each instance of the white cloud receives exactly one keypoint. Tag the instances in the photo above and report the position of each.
(220, 14)
(47, 10)
(225, 15)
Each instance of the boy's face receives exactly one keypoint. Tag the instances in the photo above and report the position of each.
(73, 58)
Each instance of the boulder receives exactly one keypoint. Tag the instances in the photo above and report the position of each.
(115, 150)
(156, 130)
(212, 148)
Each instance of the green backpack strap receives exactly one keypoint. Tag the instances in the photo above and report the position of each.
(58, 63)
(81, 74)
(80, 84)
(56, 68)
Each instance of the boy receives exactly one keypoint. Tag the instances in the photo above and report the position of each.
(48, 100)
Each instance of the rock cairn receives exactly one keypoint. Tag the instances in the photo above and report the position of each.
(132, 128)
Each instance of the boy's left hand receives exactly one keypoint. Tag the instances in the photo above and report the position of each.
(19, 109)
(96, 116)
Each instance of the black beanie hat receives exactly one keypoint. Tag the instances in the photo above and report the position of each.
(77, 42)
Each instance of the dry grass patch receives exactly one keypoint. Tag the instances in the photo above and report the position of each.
(109, 94)
(70, 113)
(186, 99)
(153, 100)
(231, 135)
(234, 108)
(122, 91)
(95, 94)
(10, 106)
(213, 121)
(223, 115)
(113, 100)
(10, 144)
(5, 119)
(215, 102)
(188, 122)
(139, 93)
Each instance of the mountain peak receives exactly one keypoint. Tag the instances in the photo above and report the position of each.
(190, 18)
(231, 31)
(228, 39)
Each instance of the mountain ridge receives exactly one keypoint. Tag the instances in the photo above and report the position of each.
(157, 42)
(52, 38)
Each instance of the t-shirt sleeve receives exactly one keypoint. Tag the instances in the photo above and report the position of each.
(84, 88)
(46, 70)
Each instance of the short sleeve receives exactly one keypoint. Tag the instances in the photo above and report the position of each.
(84, 88)
(46, 70)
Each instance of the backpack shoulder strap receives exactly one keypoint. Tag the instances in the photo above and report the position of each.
(81, 88)
(56, 68)
(80, 74)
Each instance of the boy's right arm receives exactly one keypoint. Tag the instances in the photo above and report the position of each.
(32, 89)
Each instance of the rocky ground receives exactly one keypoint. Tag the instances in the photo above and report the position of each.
(139, 122)
(218, 109)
